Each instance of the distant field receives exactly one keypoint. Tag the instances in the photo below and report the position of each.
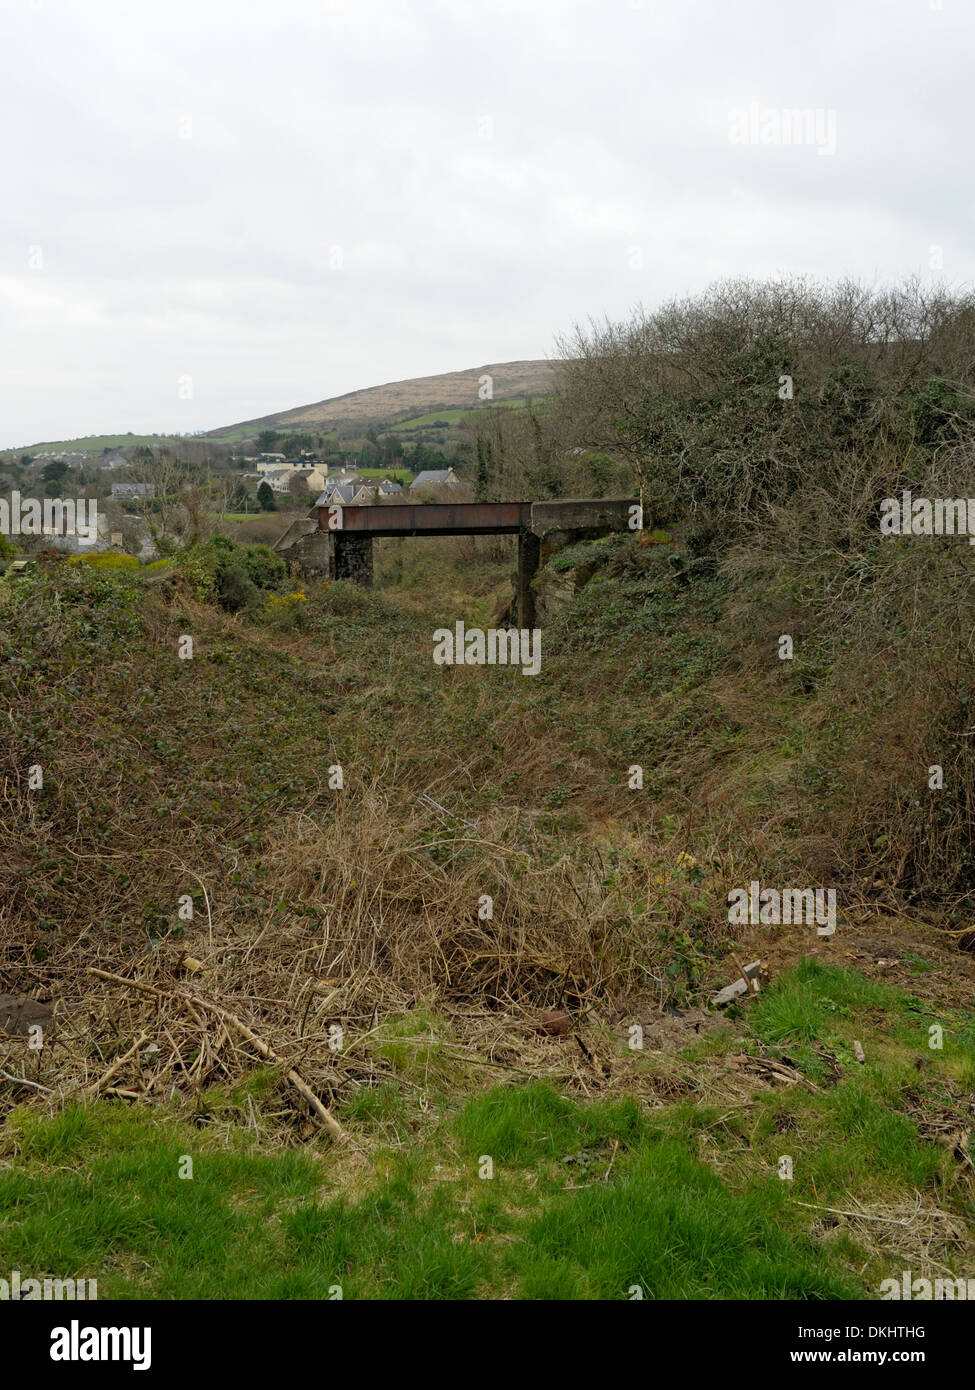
(451, 417)
(233, 435)
(236, 434)
(94, 443)
(402, 475)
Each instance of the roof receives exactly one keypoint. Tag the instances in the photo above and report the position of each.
(435, 477)
(133, 489)
(345, 493)
(337, 493)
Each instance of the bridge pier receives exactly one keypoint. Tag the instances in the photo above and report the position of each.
(353, 558)
(529, 551)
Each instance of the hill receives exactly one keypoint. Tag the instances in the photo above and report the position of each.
(416, 396)
(407, 401)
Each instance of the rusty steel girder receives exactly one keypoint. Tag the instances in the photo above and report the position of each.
(431, 519)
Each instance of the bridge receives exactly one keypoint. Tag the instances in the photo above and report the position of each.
(336, 542)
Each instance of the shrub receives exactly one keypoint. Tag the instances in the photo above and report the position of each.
(198, 566)
(235, 589)
(264, 568)
(232, 574)
(731, 401)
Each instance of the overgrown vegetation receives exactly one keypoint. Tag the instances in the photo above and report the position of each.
(336, 808)
(621, 1197)
(764, 424)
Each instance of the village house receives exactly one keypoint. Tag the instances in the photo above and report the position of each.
(430, 479)
(344, 495)
(356, 492)
(122, 490)
(279, 479)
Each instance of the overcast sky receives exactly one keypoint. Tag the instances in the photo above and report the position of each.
(214, 209)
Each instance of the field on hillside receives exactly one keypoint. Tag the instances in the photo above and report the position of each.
(275, 856)
(454, 417)
(400, 405)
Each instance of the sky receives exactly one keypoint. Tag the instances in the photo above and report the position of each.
(216, 209)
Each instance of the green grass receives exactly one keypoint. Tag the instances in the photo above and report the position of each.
(514, 1192)
(116, 1208)
(814, 999)
(97, 1193)
(401, 475)
(448, 417)
(672, 1228)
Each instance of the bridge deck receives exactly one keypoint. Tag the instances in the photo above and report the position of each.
(432, 519)
(477, 518)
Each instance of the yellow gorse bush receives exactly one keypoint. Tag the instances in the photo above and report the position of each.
(278, 603)
(106, 559)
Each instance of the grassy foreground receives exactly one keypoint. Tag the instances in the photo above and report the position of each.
(521, 1192)
(487, 1158)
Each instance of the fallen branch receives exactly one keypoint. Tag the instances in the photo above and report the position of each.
(132, 984)
(854, 1215)
(318, 1109)
(22, 1081)
(325, 1115)
(118, 1064)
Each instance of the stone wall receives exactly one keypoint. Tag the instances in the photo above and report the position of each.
(310, 548)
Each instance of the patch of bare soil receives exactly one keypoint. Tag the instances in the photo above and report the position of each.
(893, 950)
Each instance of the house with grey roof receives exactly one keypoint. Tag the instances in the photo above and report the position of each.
(433, 478)
(120, 490)
(352, 494)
